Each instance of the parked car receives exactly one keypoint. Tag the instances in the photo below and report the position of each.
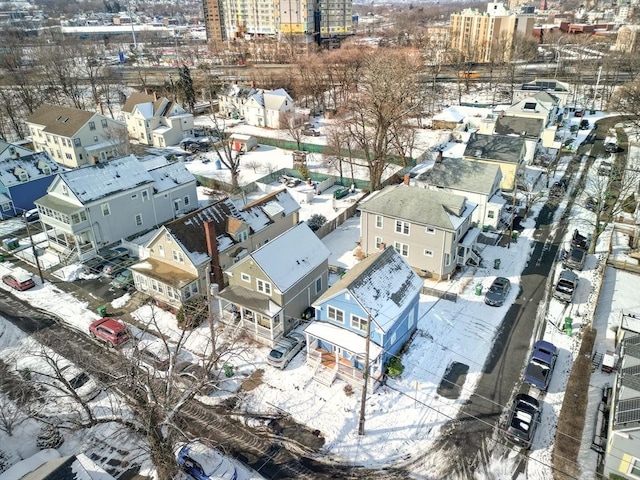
(32, 215)
(205, 463)
(592, 204)
(579, 112)
(579, 240)
(584, 124)
(523, 420)
(310, 132)
(19, 281)
(605, 169)
(611, 147)
(498, 291)
(85, 386)
(566, 286)
(123, 280)
(153, 353)
(193, 375)
(285, 349)
(110, 331)
(574, 258)
(541, 363)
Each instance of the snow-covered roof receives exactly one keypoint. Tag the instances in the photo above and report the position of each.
(275, 99)
(290, 257)
(36, 165)
(347, 340)
(170, 176)
(383, 284)
(103, 179)
(450, 114)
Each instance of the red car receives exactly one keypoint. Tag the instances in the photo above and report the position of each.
(19, 281)
(111, 331)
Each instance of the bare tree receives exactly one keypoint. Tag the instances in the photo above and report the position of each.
(293, 122)
(626, 100)
(224, 149)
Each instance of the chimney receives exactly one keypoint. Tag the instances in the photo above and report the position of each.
(406, 179)
(155, 96)
(439, 157)
(100, 108)
(212, 250)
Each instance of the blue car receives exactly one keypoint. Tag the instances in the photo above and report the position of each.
(540, 367)
(205, 463)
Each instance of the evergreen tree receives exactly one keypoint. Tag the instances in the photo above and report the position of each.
(186, 87)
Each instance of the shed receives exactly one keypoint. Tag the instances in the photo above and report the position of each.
(243, 143)
(448, 119)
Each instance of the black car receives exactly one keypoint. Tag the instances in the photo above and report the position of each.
(498, 291)
(523, 420)
(610, 147)
(584, 124)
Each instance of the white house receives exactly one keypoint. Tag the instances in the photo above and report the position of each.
(156, 121)
(267, 108)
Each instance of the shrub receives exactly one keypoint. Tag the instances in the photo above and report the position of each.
(50, 437)
(4, 461)
(192, 313)
(316, 221)
(348, 390)
(394, 367)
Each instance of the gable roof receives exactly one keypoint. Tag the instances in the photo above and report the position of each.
(149, 105)
(274, 203)
(167, 177)
(237, 91)
(61, 121)
(450, 114)
(291, 256)
(501, 148)
(420, 205)
(33, 165)
(460, 174)
(529, 127)
(93, 182)
(9, 150)
(383, 284)
(275, 99)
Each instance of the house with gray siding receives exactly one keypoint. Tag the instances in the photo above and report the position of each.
(431, 230)
(479, 182)
(271, 287)
(98, 205)
(622, 454)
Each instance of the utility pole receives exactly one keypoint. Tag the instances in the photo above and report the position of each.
(365, 378)
(33, 247)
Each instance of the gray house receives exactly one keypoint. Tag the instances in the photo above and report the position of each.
(89, 208)
(622, 455)
(505, 151)
(270, 289)
(477, 181)
(431, 230)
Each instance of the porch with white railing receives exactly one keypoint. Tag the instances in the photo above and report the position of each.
(467, 253)
(257, 326)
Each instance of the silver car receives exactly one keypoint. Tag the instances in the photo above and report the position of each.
(285, 349)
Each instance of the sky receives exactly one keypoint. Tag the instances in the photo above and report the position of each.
(407, 414)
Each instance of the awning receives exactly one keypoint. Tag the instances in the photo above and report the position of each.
(250, 300)
(343, 338)
(470, 237)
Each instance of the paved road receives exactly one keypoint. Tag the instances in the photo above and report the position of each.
(471, 436)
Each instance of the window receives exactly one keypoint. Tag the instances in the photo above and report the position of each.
(491, 214)
(104, 123)
(430, 230)
(634, 468)
(186, 200)
(335, 314)
(378, 242)
(359, 323)
(447, 259)
(95, 138)
(176, 204)
(161, 250)
(242, 236)
(318, 284)
(145, 195)
(401, 248)
(92, 126)
(412, 318)
(105, 210)
(263, 287)
(245, 277)
(402, 227)
(23, 176)
(428, 253)
(378, 221)
(138, 219)
(177, 256)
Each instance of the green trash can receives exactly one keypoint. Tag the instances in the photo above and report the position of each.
(496, 263)
(228, 370)
(568, 325)
(514, 235)
(102, 310)
(478, 289)
(485, 228)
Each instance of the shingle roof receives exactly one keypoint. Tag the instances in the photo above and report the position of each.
(416, 205)
(383, 284)
(530, 127)
(501, 148)
(33, 165)
(149, 105)
(460, 174)
(61, 121)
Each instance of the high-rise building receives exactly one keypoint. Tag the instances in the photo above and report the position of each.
(301, 20)
(484, 37)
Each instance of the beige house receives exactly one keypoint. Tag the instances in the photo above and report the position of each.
(431, 230)
(270, 289)
(210, 239)
(505, 151)
(260, 108)
(156, 121)
(75, 137)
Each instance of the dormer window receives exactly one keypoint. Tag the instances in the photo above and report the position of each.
(46, 169)
(23, 176)
(242, 236)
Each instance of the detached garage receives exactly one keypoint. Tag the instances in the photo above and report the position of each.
(242, 143)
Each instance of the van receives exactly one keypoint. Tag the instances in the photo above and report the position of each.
(566, 286)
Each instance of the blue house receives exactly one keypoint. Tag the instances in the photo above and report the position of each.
(24, 179)
(381, 289)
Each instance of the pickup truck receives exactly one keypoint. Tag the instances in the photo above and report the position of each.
(566, 286)
(574, 259)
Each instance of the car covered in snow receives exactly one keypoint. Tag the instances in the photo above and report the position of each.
(541, 364)
(524, 417)
(205, 463)
(85, 387)
(19, 280)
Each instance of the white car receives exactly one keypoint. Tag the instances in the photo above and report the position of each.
(285, 349)
(85, 386)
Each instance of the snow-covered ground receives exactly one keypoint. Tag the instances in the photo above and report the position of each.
(407, 414)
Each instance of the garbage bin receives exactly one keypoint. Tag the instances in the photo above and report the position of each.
(496, 263)
(228, 370)
(102, 310)
(568, 325)
(478, 289)
(485, 228)
(514, 235)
